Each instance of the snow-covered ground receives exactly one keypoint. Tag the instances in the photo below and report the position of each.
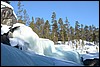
(88, 51)
(89, 47)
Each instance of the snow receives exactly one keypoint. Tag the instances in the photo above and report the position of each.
(11, 56)
(90, 56)
(3, 4)
(63, 47)
(89, 51)
(4, 29)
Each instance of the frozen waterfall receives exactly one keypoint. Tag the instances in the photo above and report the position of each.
(27, 38)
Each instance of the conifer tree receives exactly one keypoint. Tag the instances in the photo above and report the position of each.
(39, 26)
(54, 34)
(86, 32)
(67, 25)
(19, 12)
(32, 25)
(26, 19)
(77, 33)
(61, 30)
(47, 30)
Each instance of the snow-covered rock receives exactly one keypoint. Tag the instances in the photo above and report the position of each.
(4, 4)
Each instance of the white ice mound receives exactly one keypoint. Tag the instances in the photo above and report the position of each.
(24, 30)
(36, 44)
(25, 33)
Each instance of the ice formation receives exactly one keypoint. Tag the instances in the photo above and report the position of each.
(26, 38)
(41, 46)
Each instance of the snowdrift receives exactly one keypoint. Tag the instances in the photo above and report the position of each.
(11, 56)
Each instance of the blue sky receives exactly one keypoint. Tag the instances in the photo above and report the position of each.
(86, 12)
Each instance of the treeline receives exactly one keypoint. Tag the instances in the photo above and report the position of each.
(58, 30)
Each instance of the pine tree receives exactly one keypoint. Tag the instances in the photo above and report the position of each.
(77, 33)
(90, 33)
(19, 12)
(96, 35)
(26, 19)
(82, 32)
(61, 30)
(39, 26)
(53, 16)
(32, 25)
(54, 35)
(42, 28)
(82, 36)
(71, 33)
(47, 30)
(67, 25)
(86, 33)
(55, 31)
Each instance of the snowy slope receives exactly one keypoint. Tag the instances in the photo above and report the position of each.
(11, 56)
